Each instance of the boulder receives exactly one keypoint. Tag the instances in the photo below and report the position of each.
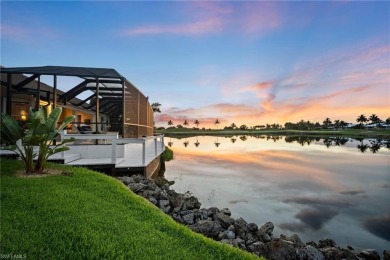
(207, 228)
(255, 247)
(278, 250)
(226, 211)
(332, 253)
(310, 253)
(252, 227)
(212, 211)
(240, 226)
(230, 234)
(295, 239)
(176, 200)
(386, 254)
(326, 242)
(126, 180)
(224, 220)
(188, 219)
(265, 232)
(192, 203)
(136, 187)
(152, 200)
(201, 214)
(163, 203)
(369, 254)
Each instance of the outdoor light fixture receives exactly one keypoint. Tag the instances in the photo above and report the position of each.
(23, 115)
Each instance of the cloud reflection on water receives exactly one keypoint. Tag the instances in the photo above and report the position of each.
(310, 189)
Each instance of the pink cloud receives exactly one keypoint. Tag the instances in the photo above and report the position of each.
(194, 28)
(24, 34)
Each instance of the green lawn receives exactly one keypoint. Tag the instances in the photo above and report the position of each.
(85, 214)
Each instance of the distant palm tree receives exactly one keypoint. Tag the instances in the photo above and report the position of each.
(361, 120)
(197, 143)
(186, 143)
(233, 126)
(362, 147)
(337, 124)
(156, 107)
(375, 119)
(217, 123)
(185, 123)
(388, 121)
(217, 143)
(233, 140)
(327, 122)
(170, 144)
(196, 122)
(170, 122)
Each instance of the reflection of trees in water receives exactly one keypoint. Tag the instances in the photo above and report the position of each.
(197, 143)
(216, 143)
(186, 143)
(170, 144)
(375, 145)
(243, 138)
(362, 147)
(233, 140)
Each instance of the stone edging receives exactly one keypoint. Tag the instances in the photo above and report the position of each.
(219, 225)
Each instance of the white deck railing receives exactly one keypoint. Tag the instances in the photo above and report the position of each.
(115, 140)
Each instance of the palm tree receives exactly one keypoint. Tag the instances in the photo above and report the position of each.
(217, 123)
(375, 119)
(337, 124)
(186, 143)
(327, 122)
(156, 107)
(197, 122)
(233, 125)
(217, 143)
(361, 120)
(185, 123)
(170, 122)
(197, 143)
(388, 121)
(233, 140)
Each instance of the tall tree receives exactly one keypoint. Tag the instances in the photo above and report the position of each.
(156, 107)
(197, 123)
(170, 122)
(185, 123)
(375, 119)
(361, 120)
(217, 123)
(233, 126)
(327, 122)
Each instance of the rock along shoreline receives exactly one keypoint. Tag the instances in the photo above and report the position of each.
(219, 225)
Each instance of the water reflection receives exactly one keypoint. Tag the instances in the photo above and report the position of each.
(313, 186)
(373, 145)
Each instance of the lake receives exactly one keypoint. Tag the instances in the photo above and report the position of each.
(335, 187)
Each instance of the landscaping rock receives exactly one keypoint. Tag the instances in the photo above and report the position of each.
(226, 211)
(224, 220)
(369, 254)
(326, 242)
(386, 255)
(332, 253)
(252, 227)
(136, 187)
(207, 228)
(310, 252)
(265, 232)
(256, 247)
(188, 219)
(192, 203)
(278, 250)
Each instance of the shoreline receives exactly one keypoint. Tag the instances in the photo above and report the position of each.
(218, 225)
(352, 133)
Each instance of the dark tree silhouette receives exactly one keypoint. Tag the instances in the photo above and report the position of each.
(156, 107)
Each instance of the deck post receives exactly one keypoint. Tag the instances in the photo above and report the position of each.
(143, 151)
(155, 146)
(113, 151)
(162, 144)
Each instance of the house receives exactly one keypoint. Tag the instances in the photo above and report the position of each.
(103, 101)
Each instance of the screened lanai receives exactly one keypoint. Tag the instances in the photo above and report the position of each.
(109, 93)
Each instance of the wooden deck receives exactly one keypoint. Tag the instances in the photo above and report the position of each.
(111, 152)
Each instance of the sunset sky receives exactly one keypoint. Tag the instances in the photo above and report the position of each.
(241, 62)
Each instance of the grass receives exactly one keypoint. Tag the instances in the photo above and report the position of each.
(85, 214)
(372, 133)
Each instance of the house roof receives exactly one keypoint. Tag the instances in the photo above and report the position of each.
(109, 80)
(66, 71)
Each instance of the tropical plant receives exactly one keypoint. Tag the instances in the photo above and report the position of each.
(375, 119)
(170, 122)
(156, 107)
(233, 126)
(185, 123)
(40, 131)
(197, 123)
(243, 127)
(217, 123)
(388, 121)
(327, 122)
(361, 120)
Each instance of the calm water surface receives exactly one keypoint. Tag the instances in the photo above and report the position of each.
(315, 188)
